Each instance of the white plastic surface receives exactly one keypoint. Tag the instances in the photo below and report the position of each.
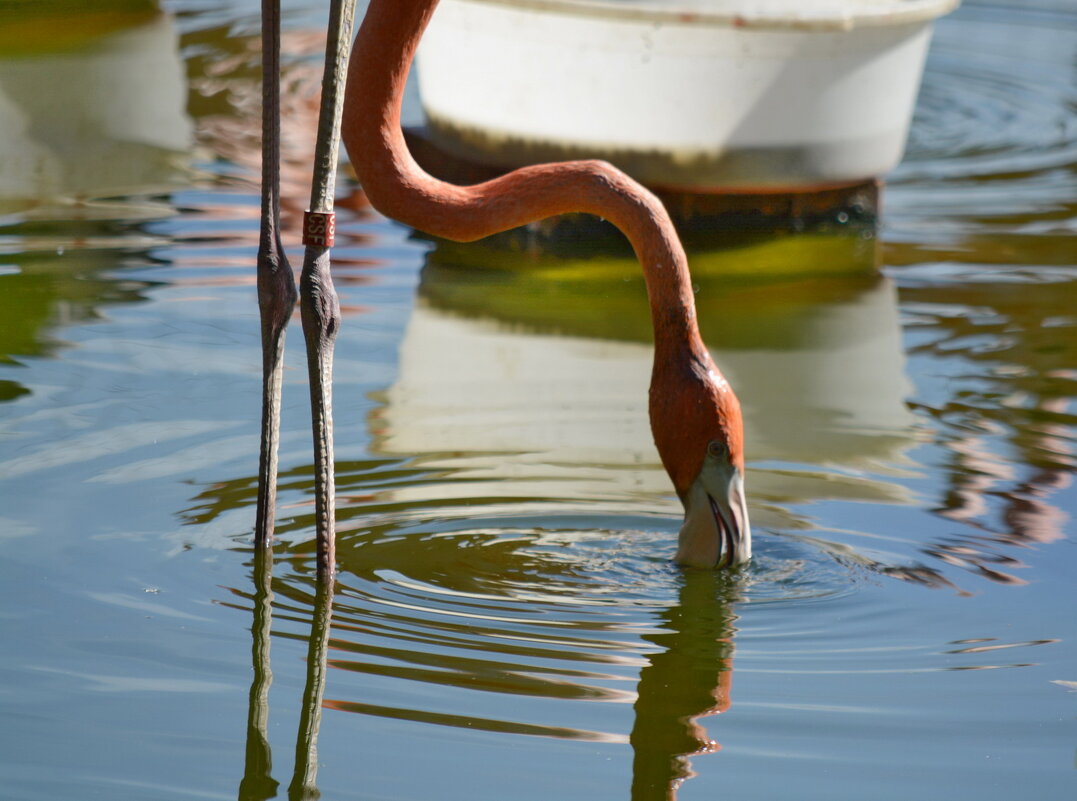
(841, 14)
(502, 81)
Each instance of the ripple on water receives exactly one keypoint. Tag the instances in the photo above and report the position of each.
(475, 602)
(993, 100)
(994, 133)
(601, 563)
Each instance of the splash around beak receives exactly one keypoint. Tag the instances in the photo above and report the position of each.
(716, 532)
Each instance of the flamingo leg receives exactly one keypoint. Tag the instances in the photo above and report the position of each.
(319, 306)
(695, 416)
(276, 284)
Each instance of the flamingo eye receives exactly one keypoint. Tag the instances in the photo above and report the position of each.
(717, 449)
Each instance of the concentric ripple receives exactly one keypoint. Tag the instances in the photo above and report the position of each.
(449, 606)
(994, 132)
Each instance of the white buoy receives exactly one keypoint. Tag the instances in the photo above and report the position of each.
(688, 95)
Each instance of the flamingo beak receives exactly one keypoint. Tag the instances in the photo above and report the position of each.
(716, 531)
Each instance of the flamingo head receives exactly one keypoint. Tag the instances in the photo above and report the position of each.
(697, 426)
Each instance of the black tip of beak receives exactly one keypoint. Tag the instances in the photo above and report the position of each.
(726, 545)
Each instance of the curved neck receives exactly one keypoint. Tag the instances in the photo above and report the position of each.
(399, 188)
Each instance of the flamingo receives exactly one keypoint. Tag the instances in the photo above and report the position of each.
(695, 415)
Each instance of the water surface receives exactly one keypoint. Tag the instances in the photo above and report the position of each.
(507, 623)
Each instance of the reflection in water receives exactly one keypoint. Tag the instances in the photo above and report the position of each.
(304, 784)
(258, 783)
(1008, 424)
(97, 111)
(96, 114)
(500, 547)
(688, 675)
(509, 600)
(689, 678)
(491, 356)
(226, 99)
(821, 357)
(89, 108)
(989, 283)
(982, 246)
(46, 290)
(490, 514)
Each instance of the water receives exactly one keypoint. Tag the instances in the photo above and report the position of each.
(507, 624)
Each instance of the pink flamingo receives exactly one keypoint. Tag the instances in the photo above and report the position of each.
(695, 416)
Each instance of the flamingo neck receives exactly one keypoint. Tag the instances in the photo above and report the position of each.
(398, 187)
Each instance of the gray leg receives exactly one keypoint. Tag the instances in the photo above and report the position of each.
(318, 298)
(276, 285)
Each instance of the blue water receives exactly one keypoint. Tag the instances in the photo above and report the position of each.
(507, 623)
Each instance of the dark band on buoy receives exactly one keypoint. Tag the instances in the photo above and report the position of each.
(319, 228)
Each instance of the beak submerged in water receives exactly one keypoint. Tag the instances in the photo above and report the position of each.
(716, 531)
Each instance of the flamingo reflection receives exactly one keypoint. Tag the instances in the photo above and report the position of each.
(688, 678)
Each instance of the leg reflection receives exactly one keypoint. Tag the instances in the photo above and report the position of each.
(688, 679)
(304, 779)
(258, 783)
